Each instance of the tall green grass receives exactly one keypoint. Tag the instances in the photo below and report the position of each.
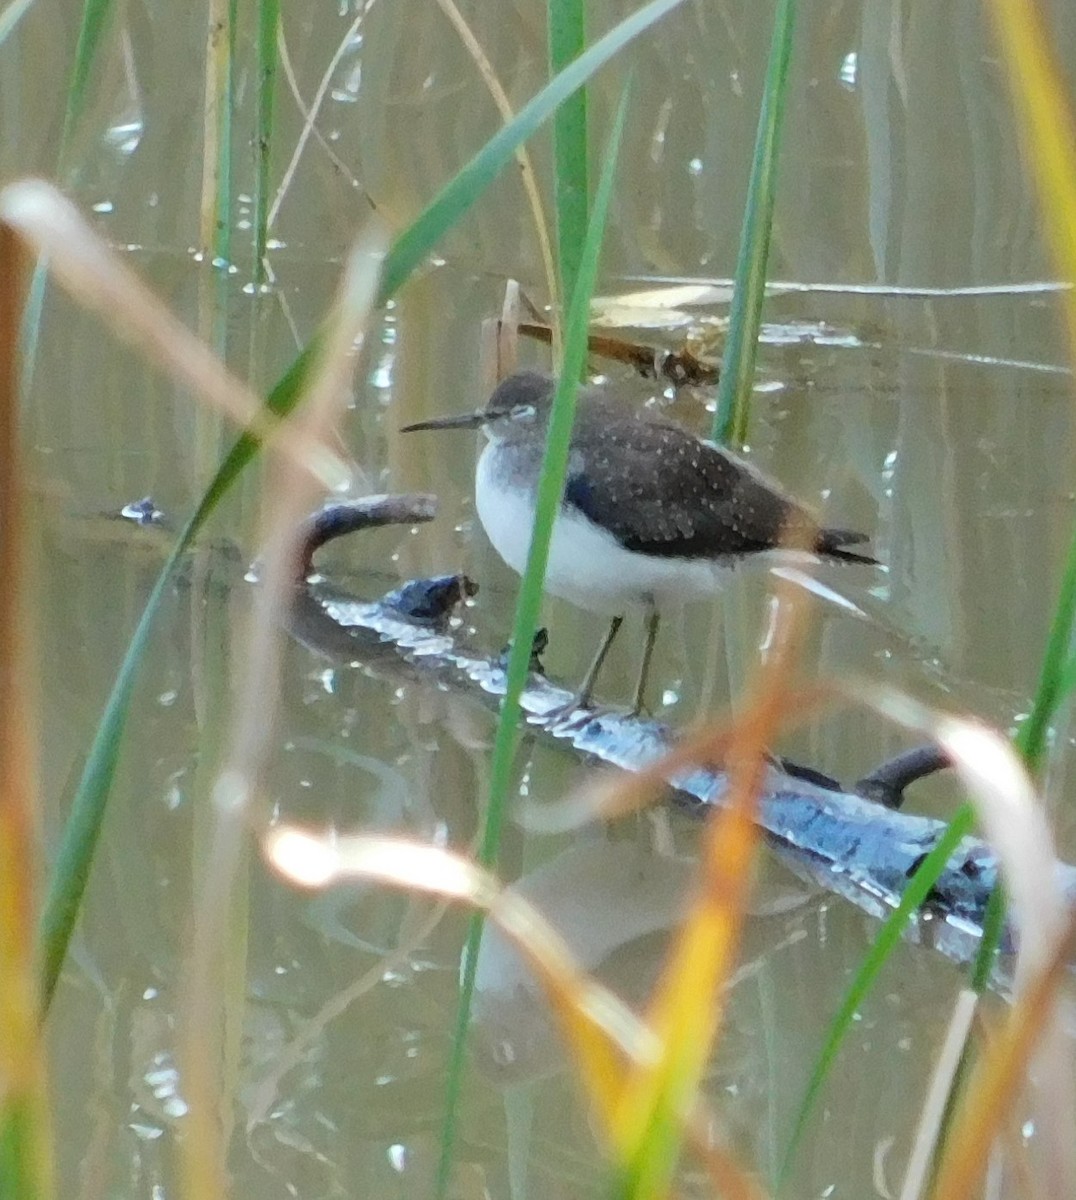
(733, 408)
(528, 605)
(268, 26)
(92, 29)
(566, 20)
(885, 942)
(1050, 134)
(408, 252)
(218, 114)
(1056, 681)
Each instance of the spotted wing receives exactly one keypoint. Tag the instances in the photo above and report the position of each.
(662, 492)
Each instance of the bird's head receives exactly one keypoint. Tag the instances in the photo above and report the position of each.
(520, 402)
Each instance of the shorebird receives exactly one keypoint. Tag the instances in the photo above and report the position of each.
(651, 514)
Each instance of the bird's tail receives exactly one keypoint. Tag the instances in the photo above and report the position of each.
(832, 543)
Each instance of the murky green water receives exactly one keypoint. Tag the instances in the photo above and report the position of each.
(940, 424)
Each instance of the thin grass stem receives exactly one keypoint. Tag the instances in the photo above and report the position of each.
(732, 413)
(567, 37)
(1039, 95)
(995, 1087)
(886, 940)
(457, 196)
(1049, 130)
(687, 1007)
(289, 494)
(95, 15)
(523, 158)
(310, 115)
(215, 209)
(528, 606)
(268, 29)
(310, 129)
(79, 839)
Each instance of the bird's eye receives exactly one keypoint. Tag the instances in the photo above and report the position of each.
(523, 412)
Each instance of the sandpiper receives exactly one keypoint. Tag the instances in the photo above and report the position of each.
(651, 514)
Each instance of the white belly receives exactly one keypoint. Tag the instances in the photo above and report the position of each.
(587, 566)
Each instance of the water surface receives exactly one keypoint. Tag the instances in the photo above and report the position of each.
(941, 424)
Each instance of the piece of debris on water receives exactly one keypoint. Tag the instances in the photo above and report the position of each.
(143, 512)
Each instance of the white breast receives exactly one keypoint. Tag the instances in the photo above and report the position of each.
(587, 566)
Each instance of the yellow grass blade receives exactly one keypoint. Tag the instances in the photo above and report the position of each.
(1042, 103)
(289, 494)
(996, 1082)
(24, 1149)
(602, 1032)
(687, 1007)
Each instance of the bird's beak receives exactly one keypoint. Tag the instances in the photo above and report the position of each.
(471, 420)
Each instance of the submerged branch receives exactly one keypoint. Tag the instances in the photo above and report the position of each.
(843, 842)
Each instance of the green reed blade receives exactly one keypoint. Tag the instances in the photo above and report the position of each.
(1058, 673)
(95, 14)
(223, 242)
(71, 869)
(745, 317)
(268, 24)
(408, 252)
(1057, 679)
(24, 1171)
(567, 35)
(889, 935)
(528, 606)
(220, 92)
(1039, 95)
(1056, 682)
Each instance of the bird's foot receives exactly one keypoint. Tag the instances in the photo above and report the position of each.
(538, 648)
(580, 706)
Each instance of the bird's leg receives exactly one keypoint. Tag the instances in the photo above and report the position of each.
(652, 619)
(587, 686)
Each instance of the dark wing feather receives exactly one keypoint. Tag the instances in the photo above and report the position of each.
(719, 505)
